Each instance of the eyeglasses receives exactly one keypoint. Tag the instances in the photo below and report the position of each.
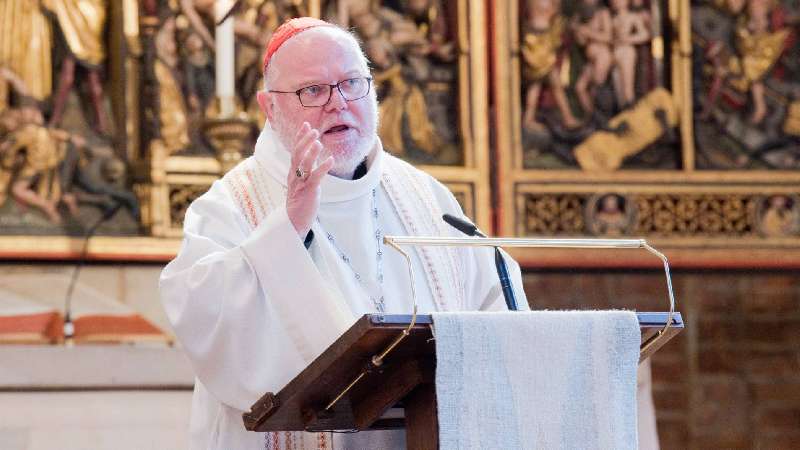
(319, 95)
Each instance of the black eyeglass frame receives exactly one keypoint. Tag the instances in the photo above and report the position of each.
(330, 91)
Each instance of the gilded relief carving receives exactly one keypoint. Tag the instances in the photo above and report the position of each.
(62, 163)
(113, 108)
(610, 215)
(682, 117)
(696, 215)
(668, 215)
(592, 86)
(677, 120)
(747, 76)
(553, 214)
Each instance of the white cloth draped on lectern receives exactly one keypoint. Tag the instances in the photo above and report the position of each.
(542, 379)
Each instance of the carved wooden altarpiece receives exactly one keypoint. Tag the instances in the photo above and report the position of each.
(673, 120)
(684, 133)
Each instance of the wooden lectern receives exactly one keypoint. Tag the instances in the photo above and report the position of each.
(385, 361)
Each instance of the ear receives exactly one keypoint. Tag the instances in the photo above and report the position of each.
(264, 100)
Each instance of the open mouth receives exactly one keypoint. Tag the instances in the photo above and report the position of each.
(337, 129)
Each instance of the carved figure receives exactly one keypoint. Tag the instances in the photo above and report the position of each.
(780, 217)
(198, 70)
(81, 23)
(30, 154)
(593, 32)
(174, 130)
(628, 133)
(610, 217)
(646, 78)
(629, 31)
(542, 41)
(757, 50)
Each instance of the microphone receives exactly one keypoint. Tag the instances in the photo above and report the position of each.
(69, 326)
(462, 225)
(470, 229)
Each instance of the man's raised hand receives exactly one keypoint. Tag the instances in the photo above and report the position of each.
(303, 180)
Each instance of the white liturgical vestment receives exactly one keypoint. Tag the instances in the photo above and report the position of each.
(252, 306)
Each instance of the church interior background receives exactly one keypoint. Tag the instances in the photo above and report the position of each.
(677, 121)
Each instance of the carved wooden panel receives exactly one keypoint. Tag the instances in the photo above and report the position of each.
(678, 131)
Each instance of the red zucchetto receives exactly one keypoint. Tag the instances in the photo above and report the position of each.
(290, 28)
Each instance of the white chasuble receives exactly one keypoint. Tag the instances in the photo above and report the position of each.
(252, 306)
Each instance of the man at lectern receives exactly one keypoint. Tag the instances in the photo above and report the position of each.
(283, 253)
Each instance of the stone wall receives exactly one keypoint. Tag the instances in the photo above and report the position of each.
(97, 420)
(731, 379)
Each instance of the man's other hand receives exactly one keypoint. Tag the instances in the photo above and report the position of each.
(303, 180)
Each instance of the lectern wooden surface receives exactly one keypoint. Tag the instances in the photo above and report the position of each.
(300, 405)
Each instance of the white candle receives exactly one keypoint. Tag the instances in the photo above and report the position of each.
(224, 59)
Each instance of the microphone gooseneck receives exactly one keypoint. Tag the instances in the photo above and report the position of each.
(505, 280)
(470, 229)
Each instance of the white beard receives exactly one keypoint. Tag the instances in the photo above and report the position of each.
(350, 156)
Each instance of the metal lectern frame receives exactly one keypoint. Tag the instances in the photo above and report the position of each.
(397, 242)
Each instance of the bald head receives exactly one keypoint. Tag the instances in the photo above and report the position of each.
(302, 45)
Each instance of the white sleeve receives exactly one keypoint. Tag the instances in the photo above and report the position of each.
(250, 308)
(483, 291)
